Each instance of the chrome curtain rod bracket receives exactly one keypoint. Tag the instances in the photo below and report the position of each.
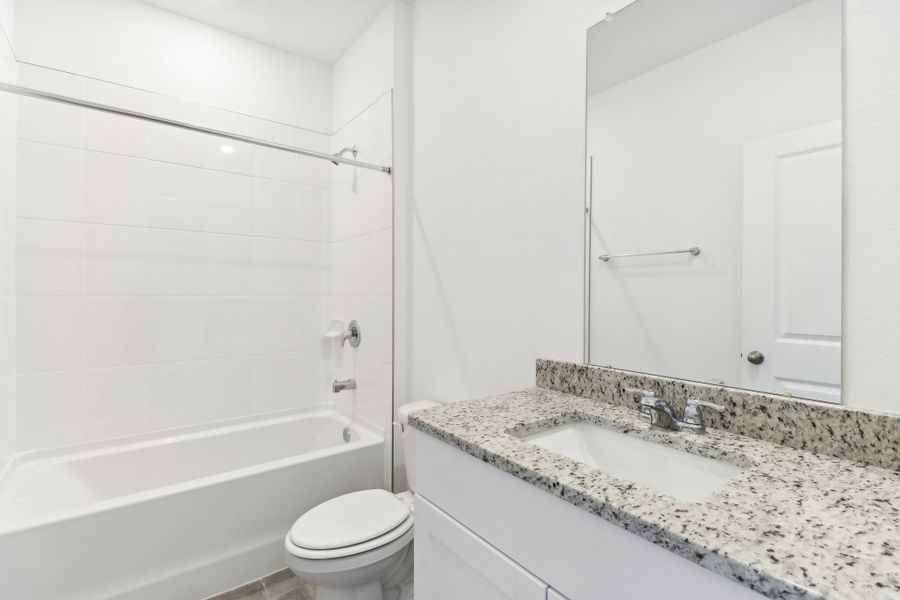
(692, 251)
(32, 93)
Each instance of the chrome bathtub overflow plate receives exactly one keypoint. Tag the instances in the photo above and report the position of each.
(346, 435)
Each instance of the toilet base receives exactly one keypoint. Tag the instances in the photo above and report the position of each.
(394, 585)
(382, 574)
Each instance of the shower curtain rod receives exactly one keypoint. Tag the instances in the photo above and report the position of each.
(32, 93)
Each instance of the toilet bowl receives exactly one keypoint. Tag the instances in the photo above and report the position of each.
(359, 546)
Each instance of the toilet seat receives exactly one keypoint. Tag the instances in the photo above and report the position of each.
(350, 524)
(329, 561)
(378, 542)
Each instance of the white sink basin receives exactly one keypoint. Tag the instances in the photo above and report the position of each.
(679, 474)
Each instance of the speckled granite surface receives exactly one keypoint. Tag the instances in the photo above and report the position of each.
(793, 525)
(820, 428)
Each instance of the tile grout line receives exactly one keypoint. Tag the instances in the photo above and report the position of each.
(183, 230)
(87, 80)
(155, 159)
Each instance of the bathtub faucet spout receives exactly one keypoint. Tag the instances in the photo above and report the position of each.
(343, 384)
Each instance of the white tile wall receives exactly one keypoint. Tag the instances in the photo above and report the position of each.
(8, 176)
(176, 328)
(381, 266)
(362, 275)
(314, 210)
(275, 210)
(163, 278)
(110, 133)
(276, 377)
(40, 121)
(50, 408)
(167, 278)
(125, 261)
(50, 334)
(228, 203)
(51, 258)
(116, 330)
(228, 265)
(62, 197)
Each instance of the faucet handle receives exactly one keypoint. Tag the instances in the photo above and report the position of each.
(645, 398)
(693, 418)
(695, 401)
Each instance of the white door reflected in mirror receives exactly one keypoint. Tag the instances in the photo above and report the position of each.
(792, 263)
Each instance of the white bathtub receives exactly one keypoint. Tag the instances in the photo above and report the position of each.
(172, 518)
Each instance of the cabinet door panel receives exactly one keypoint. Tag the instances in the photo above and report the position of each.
(554, 595)
(453, 563)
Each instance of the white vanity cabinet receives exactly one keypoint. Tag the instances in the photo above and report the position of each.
(454, 563)
(482, 534)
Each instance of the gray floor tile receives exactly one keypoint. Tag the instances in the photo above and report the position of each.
(250, 591)
(283, 585)
(304, 592)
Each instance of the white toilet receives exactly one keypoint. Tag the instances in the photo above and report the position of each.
(359, 546)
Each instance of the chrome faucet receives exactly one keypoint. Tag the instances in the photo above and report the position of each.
(659, 412)
(343, 384)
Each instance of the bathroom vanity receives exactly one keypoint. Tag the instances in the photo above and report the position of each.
(483, 533)
(514, 499)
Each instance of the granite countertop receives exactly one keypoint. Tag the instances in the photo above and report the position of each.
(793, 525)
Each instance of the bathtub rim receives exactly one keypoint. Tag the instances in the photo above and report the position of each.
(369, 436)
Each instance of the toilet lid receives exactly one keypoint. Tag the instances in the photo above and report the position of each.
(349, 520)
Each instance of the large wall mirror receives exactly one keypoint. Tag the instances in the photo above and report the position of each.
(714, 153)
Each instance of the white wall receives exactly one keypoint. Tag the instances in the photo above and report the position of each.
(496, 219)
(8, 24)
(8, 73)
(498, 195)
(154, 50)
(161, 281)
(366, 70)
(872, 214)
(685, 124)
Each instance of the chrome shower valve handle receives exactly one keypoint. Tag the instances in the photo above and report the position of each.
(352, 335)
